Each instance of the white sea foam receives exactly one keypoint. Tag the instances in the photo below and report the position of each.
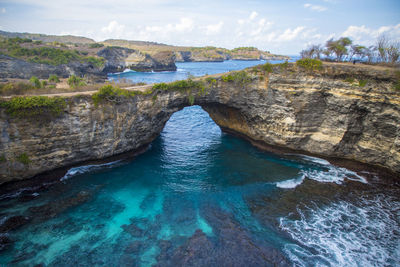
(346, 234)
(87, 168)
(322, 171)
(292, 183)
(18, 192)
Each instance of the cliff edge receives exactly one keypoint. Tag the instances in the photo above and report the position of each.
(337, 110)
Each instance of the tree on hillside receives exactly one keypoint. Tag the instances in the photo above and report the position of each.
(381, 44)
(357, 51)
(388, 51)
(313, 51)
(393, 52)
(370, 53)
(338, 47)
(385, 50)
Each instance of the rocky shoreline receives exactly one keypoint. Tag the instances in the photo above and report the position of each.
(116, 59)
(23, 55)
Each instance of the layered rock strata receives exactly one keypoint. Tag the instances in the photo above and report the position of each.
(324, 113)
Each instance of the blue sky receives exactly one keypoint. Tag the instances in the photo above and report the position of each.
(284, 27)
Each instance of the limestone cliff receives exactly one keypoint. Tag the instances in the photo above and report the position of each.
(116, 59)
(323, 112)
(207, 54)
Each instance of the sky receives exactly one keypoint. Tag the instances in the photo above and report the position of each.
(283, 27)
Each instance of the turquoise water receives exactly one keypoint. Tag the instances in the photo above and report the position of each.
(199, 197)
(185, 69)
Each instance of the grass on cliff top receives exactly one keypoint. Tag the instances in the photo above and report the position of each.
(309, 64)
(109, 93)
(31, 106)
(238, 78)
(46, 55)
(181, 86)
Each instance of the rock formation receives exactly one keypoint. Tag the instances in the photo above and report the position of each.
(320, 112)
(116, 59)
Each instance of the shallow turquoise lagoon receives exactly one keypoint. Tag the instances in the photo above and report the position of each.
(200, 197)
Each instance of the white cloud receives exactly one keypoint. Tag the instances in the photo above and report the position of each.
(114, 29)
(3, 10)
(368, 35)
(186, 24)
(253, 15)
(214, 28)
(290, 34)
(315, 7)
(251, 29)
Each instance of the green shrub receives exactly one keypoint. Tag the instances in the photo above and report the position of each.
(36, 82)
(95, 45)
(54, 78)
(30, 106)
(160, 86)
(46, 55)
(227, 78)
(15, 88)
(238, 78)
(310, 64)
(74, 81)
(283, 66)
(183, 85)
(55, 43)
(191, 99)
(3, 159)
(267, 67)
(362, 83)
(44, 83)
(113, 94)
(349, 80)
(211, 80)
(24, 158)
(96, 61)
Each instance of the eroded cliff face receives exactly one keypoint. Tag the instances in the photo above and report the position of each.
(316, 112)
(319, 113)
(83, 132)
(116, 59)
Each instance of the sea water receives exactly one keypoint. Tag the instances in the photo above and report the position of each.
(187, 69)
(196, 178)
(200, 197)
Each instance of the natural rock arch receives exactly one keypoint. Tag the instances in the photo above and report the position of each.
(315, 113)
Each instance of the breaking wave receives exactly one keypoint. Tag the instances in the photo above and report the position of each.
(322, 171)
(346, 234)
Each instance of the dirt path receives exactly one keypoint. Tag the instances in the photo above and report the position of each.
(141, 88)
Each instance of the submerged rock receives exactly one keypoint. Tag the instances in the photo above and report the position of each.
(51, 209)
(231, 246)
(5, 242)
(13, 223)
